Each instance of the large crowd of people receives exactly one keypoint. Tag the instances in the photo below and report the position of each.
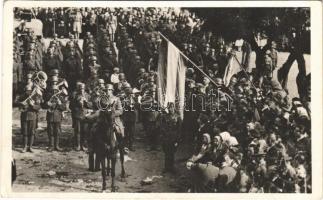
(262, 143)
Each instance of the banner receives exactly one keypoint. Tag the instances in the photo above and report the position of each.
(171, 76)
(231, 69)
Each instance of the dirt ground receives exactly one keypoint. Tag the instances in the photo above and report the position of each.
(67, 171)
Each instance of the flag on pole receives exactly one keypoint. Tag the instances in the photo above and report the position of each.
(231, 69)
(171, 76)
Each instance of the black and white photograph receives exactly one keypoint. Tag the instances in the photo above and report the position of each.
(162, 99)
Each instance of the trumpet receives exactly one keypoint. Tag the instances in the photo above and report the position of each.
(63, 83)
(36, 91)
(55, 96)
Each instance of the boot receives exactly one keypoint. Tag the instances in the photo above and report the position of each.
(91, 161)
(31, 141)
(97, 164)
(25, 141)
(78, 143)
(51, 144)
(57, 148)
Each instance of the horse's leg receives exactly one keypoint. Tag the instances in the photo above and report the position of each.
(108, 166)
(123, 172)
(103, 172)
(113, 171)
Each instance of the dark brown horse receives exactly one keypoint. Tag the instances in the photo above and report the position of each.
(107, 143)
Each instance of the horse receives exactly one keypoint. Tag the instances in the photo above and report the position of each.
(107, 143)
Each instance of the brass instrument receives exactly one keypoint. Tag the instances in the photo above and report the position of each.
(40, 79)
(39, 84)
(63, 83)
(36, 91)
(54, 97)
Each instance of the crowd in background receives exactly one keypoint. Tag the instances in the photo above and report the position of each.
(261, 145)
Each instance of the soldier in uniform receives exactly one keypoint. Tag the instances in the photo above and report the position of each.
(149, 115)
(55, 104)
(72, 68)
(129, 117)
(79, 105)
(169, 125)
(30, 66)
(51, 61)
(30, 105)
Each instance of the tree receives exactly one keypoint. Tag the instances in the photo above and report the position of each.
(272, 23)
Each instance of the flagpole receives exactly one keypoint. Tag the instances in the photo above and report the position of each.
(190, 61)
(244, 71)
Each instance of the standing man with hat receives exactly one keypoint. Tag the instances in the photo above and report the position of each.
(73, 70)
(29, 105)
(55, 104)
(80, 103)
(129, 116)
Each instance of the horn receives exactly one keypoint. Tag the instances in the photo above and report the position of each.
(40, 79)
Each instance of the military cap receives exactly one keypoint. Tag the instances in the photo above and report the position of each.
(122, 76)
(55, 35)
(109, 87)
(93, 58)
(90, 45)
(29, 76)
(116, 69)
(190, 70)
(29, 87)
(101, 81)
(54, 79)
(54, 72)
(219, 81)
(88, 33)
(138, 57)
(142, 70)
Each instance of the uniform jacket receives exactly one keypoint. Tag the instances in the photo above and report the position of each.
(79, 111)
(29, 112)
(129, 114)
(54, 112)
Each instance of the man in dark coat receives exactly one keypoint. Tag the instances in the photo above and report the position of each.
(80, 103)
(55, 104)
(30, 105)
(72, 68)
